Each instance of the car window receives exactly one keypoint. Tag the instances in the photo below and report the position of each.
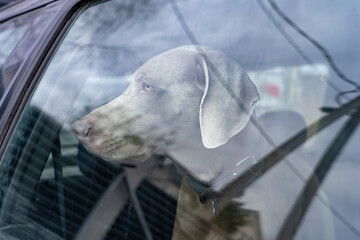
(191, 120)
(10, 34)
(17, 37)
(9, 37)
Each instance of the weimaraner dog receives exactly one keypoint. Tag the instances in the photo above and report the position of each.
(172, 101)
(196, 105)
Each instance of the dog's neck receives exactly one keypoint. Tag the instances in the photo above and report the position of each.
(209, 164)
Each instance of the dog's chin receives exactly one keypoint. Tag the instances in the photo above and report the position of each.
(127, 154)
(129, 158)
(125, 158)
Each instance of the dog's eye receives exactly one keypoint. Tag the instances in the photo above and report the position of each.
(146, 87)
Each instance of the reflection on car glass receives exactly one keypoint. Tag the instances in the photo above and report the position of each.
(177, 141)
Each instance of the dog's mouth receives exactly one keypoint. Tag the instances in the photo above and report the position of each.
(139, 158)
(127, 152)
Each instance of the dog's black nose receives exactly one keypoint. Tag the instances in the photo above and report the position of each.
(81, 129)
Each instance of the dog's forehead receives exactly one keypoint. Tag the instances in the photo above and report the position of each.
(175, 65)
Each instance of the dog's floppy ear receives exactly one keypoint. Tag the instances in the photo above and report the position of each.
(228, 99)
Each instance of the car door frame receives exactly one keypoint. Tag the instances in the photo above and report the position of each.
(24, 81)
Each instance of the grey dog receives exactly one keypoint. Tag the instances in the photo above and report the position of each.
(176, 103)
(196, 105)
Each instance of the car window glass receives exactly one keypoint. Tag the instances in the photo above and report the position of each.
(17, 36)
(9, 38)
(10, 35)
(231, 115)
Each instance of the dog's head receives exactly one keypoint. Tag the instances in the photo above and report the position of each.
(171, 96)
